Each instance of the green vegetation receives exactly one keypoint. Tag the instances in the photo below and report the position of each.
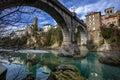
(35, 28)
(119, 22)
(111, 34)
(54, 35)
(101, 42)
(36, 39)
(107, 33)
(7, 42)
(66, 72)
(21, 41)
(111, 25)
(78, 35)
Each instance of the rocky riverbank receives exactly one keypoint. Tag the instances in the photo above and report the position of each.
(66, 72)
(111, 58)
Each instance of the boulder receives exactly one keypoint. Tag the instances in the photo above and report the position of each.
(113, 61)
(46, 70)
(66, 72)
(29, 77)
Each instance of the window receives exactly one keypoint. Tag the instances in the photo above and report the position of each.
(94, 28)
(90, 17)
(90, 20)
(90, 23)
(110, 11)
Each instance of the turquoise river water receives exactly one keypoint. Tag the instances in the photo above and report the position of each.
(19, 65)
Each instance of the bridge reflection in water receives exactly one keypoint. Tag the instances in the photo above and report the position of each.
(42, 64)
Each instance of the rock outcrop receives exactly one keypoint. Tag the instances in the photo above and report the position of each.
(66, 72)
(112, 59)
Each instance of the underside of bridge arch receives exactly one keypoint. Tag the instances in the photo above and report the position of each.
(82, 41)
(46, 6)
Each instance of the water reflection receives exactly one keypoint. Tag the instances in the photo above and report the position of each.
(15, 72)
(93, 70)
(40, 65)
(94, 67)
(20, 65)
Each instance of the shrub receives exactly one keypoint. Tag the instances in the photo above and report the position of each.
(101, 42)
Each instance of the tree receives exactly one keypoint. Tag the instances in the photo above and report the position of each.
(16, 17)
(111, 25)
(111, 34)
(107, 33)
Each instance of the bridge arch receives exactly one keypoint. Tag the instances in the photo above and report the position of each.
(82, 42)
(61, 15)
(83, 34)
(45, 6)
(40, 4)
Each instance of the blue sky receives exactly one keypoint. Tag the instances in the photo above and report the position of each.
(81, 7)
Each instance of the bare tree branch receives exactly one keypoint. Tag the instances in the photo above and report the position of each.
(9, 13)
(14, 17)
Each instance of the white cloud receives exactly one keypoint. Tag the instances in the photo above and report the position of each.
(99, 6)
(44, 22)
(54, 22)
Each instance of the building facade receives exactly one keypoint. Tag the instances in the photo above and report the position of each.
(118, 17)
(47, 27)
(95, 20)
(110, 17)
(93, 25)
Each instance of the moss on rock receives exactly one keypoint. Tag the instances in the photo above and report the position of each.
(66, 72)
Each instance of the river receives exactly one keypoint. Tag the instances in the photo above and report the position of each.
(40, 64)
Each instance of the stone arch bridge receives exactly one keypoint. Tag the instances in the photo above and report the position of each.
(66, 19)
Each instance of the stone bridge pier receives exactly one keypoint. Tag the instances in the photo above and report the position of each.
(66, 19)
(70, 45)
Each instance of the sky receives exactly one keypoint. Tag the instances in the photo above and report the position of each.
(81, 7)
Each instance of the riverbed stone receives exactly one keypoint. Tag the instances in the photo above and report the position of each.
(33, 61)
(110, 58)
(66, 72)
(30, 77)
(113, 61)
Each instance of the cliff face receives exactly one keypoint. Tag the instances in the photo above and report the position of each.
(111, 37)
(36, 40)
(40, 39)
